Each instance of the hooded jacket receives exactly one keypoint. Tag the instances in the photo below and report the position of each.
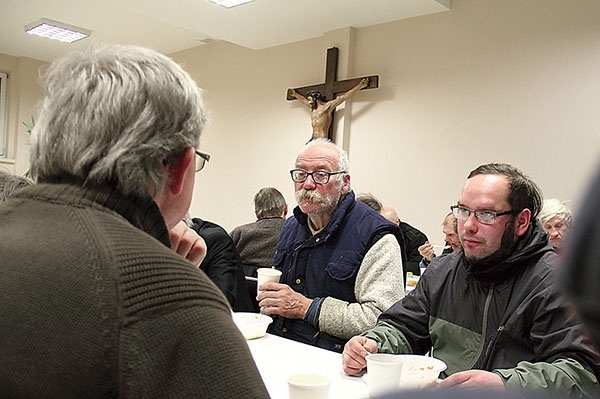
(520, 327)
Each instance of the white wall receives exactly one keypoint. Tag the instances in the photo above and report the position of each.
(490, 81)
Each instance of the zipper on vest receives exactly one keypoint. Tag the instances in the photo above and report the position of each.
(302, 244)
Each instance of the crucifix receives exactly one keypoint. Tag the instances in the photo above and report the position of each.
(323, 98)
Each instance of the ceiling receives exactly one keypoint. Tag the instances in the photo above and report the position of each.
(174, 25)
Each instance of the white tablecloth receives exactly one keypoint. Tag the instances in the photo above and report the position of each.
(277, 358)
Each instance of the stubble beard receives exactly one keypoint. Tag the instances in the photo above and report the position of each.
(507, 246)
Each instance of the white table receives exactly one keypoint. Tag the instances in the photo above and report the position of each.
(277, 358)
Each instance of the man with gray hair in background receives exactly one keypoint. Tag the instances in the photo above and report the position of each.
(256, 241)
(94, 302)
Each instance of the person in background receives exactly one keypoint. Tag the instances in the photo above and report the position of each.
(372, 202)
(413, 239)
(556, 219)
(494, 311)
(9, 183)
(256, 242)
(451, 241)
(341, 261)
(95, 304)
(222, 264)
(375, 204)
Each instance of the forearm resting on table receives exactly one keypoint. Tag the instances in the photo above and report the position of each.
(567, 376)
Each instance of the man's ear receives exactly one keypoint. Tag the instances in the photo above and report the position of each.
(346, 185)
(177, 169)
(522, 221)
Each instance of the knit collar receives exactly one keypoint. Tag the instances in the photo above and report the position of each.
(143, 213)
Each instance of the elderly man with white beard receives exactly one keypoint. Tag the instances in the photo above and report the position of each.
(340, 260)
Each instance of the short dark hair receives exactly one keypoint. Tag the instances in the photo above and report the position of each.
(370, 200)
(523, 193)
(268, 202)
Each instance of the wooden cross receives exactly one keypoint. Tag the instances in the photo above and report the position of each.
(332, 87)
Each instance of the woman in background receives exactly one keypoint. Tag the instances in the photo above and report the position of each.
(556, 218)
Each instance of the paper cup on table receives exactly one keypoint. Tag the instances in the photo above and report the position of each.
(383, 373)
(267, 274)
(308, 386)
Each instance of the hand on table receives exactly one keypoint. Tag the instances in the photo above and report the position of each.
(355, 351)
(473, 379)
(187, 243)
(426, 251)
(281, 300)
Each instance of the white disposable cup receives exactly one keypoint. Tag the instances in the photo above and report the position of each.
(267, 274)
(308, 386)
(383, 373)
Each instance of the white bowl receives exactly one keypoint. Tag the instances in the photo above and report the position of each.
(252, 325)
(420, 371)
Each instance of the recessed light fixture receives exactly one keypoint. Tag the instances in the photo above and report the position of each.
(230, 3)
(56, 30)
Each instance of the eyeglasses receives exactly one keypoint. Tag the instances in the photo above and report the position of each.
(318, 176)
(201, 159)
(484, 217)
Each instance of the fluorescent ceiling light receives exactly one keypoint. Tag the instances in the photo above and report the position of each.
(230, 3)
(57, 30)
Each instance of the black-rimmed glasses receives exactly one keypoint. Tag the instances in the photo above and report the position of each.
(485, 217)
(318, 176)
(201, 159)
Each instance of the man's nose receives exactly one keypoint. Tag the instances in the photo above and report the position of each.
(309, 183)
(471, 223)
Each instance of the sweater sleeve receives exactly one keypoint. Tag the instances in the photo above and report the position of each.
(188, 352)
(379, 284)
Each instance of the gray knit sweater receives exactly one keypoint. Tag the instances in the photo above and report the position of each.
(95, 304)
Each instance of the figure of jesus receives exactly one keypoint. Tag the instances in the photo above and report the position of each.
(321, 109)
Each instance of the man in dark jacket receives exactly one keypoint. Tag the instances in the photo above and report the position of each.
(492, 312)
(341, 260)
(222, 264)
(413, 239)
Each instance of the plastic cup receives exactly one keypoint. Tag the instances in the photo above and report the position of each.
(308, 386)
(383, 373)
(267, 274)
